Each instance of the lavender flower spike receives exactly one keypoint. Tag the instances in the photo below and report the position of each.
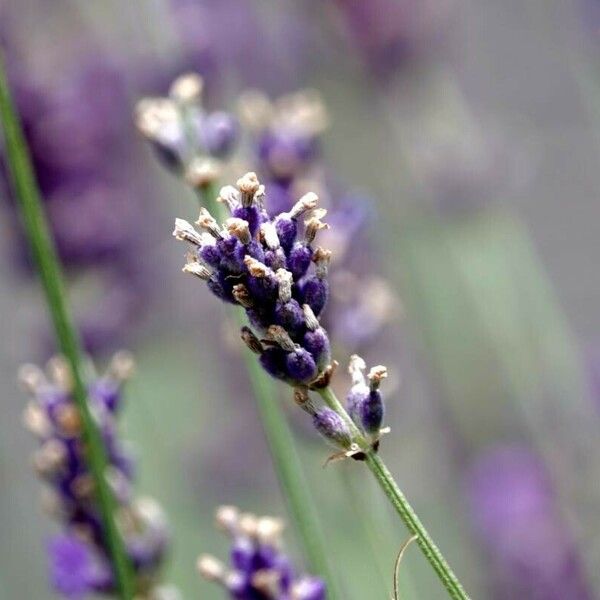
(270, 267)
(259, 569)
(79, 558)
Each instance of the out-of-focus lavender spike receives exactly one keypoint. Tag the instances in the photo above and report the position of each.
(387, 34)
(79, 559)
(188, 139)
(516, 515)
(258, 566)
(285, 132)
(74, 123)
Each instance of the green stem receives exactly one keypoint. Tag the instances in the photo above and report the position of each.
(282, 449)
(44, 253)
(376, 465)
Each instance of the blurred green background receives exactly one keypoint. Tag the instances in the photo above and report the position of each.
(498, 291)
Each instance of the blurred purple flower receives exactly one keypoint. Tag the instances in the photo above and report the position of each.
(79, 129)
(79, 559)
(74, 571)
(259, 568)
(516, 515)
(389, 33)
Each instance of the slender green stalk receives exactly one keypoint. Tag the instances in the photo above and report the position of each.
(282, 449)
(44, 253)
(376, 465)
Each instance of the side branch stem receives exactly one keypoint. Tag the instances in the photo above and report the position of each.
(387, 483)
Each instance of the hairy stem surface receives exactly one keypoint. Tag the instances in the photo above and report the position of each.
(49, 269)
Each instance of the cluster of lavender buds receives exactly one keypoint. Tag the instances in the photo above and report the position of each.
(189, 140)
(271, 268)
(79, 558)
(259, 568)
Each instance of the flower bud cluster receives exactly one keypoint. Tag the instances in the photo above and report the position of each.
(79, 558)
(364, 407)
(186, 137)
(259, 570)
(272, 268)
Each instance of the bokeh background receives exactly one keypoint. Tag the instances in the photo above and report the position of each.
(469, 131)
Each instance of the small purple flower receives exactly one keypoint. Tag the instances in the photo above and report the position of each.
(259, 569)
(74, 571)
(332, 427)
(364, 402)
(80, 559)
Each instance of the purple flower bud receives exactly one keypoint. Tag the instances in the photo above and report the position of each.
(289, 315)
(332, 427)
(275, 259)
(170, 153)
(219, 134)
(221, 287)
(74, 572)
(287, 229)
(242, 554)
(286, 154)
(106, 393)
(301, 366)
(251, 214)
(299, 259)
(371, 412)
(260, 317)
(210, 254)
(280, 197)
(265, 289)
(356, 396)
(317, 343)
(314, 291)
(273, 361)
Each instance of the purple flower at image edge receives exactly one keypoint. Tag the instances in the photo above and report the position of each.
(516, 516)
(259, 569)
(79, 558)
